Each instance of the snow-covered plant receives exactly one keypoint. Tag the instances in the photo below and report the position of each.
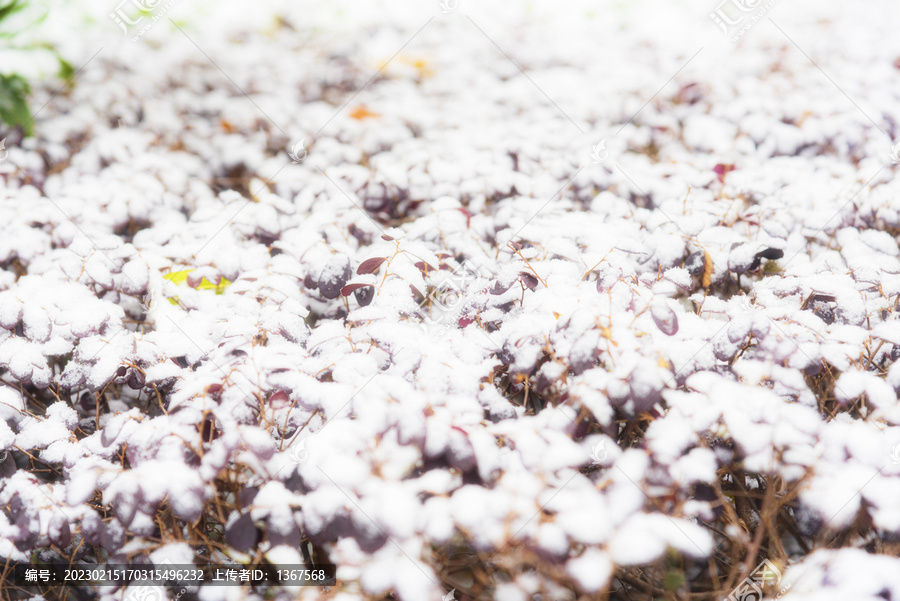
(448, 351)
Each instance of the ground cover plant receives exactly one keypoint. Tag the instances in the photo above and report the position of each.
(583, 301)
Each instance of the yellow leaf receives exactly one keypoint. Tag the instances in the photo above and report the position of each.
(219, 288)
(607, 333)
(362, 112)
(707, 270)
(421, 65)
(178, 277)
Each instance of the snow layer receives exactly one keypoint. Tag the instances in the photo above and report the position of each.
(451, 306)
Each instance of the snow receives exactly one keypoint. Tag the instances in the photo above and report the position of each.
(635, 542)
(586, 522)
(591, 570)
(12, 404)
(10, 310)
(81, 486)
(839, 572)
(7, 437)
(185, 490)
(39, 434)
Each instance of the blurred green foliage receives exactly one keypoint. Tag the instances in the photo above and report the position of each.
(14, 88)
(14, 91)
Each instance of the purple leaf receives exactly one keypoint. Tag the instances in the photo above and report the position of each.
(665, 318)
(351, 288)
(370, 265)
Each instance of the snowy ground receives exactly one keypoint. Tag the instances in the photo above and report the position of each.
(513, 302)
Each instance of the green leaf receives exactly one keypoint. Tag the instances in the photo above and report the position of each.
(66, 70)
(10, 8)
(674, 580)
(14, 91)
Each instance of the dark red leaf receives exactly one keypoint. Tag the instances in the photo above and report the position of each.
(664, 318)
(135, 379)
(209, 430)
(386, 237)
(349, 288)
(279, 399)
(364, 296)
(771, 254)
(721, 170)
(370, 265)
(529, 280)
(425, 267)
(467, 214)
(499, 288)
(242, 534)
(690, 93)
